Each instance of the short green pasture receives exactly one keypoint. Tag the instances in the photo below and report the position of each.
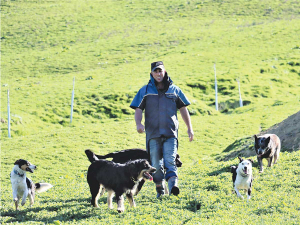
(107, 46)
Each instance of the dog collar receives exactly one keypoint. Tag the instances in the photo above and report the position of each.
(268, 151)
(17, 173)
(244, 175)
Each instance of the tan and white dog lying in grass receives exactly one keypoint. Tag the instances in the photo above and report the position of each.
(22, 186)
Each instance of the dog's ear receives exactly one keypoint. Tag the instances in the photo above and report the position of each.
(267, 140)
(255, 138)
(240, 158)
(233, 168)
(178, 161)
(134, 168)
(17, 162)
(251, 160)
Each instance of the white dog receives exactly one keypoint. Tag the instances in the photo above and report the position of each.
(242, 177)
(23, 186)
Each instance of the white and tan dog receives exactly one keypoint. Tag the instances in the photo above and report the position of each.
(22, 186)
(242, 177)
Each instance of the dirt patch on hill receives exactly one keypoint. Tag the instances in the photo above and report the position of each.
(288, 131)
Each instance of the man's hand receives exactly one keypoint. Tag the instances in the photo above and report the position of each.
(191, 134)
(140, 128)
(187, 119)
(138, 120)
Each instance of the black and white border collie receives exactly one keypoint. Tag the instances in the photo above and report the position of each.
(125, 156)
(242, 177)
(22, 186)
(117, 179)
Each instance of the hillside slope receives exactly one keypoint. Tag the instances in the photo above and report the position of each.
(288, 131)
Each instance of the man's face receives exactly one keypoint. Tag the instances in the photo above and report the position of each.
(158, 74)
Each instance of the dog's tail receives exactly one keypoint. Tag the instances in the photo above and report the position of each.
(109, 155)
(42, 187)
(93, 157)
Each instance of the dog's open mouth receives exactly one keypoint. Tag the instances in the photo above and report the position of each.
(147, 176)
(29, 170)
(245, 171)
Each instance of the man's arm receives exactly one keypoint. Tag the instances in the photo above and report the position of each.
(138, 116)
(187, 119)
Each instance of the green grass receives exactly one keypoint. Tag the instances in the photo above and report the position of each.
(108, 47)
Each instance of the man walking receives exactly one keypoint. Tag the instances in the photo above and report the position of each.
(160, 99)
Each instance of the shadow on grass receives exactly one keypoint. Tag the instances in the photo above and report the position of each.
(27, 214)
(242, 147)
(81, 200)
(235, 144)
(193, 206)
(226, 169)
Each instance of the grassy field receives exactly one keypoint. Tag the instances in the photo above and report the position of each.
(107, 46)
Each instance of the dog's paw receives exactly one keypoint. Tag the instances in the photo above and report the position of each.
(95, 206)
(120, 210)
(23, 203)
